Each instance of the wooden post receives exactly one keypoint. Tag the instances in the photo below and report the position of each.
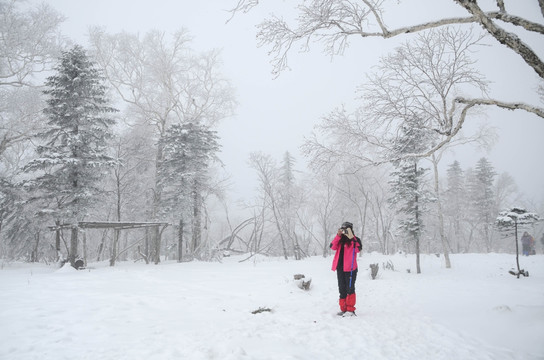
(517, 246)
(180, 241)
(146, 247)
(84, 248)
(114, 247)
(57, 240)
(34, 254)
(157, 237)
(73, 245)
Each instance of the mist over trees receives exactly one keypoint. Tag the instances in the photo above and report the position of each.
(112, 152)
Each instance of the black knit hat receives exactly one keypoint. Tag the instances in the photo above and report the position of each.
(346, 225)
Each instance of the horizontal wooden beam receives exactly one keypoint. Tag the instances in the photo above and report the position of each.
(108, 225)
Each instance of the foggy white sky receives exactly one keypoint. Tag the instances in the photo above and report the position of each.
(273, 116)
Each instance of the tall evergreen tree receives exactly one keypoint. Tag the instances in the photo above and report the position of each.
(287, 192)
(189, 150)
(455, 200)
(483, 199)
(73, 146)
(408, 183)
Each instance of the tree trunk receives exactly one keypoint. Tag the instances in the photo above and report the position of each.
(326, 244)
(278, 225)
(157, 238)
(180, 241)
(101, 246)
(57, 240)
(73, 246)
(363, 226)
(157, 202)
(145, 254)
(197, 217)
(440, 214)
(517, 246)
(418, 267)
(34, 255)
(296, 247)
(84, 249)
(114, 247)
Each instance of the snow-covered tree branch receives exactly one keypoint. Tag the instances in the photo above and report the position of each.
(334, 23)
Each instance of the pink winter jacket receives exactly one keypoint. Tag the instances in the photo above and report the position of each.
(348, 253)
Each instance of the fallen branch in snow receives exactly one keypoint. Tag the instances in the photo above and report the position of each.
(260, 310)
(144, 256)
(518, 273)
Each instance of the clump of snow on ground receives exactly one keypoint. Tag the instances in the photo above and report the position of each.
(476, 310)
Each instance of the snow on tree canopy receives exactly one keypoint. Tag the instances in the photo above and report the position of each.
(516, 215)
(75, 141)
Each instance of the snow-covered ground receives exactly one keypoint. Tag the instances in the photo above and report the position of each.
(476, 310)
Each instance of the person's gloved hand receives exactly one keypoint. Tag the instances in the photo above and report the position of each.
(350, 234)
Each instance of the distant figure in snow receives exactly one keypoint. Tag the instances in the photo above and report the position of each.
(527, 242)
(346, 245)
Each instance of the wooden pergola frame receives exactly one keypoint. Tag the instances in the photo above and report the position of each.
(115, 225)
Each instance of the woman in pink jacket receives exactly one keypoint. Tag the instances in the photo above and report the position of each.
(344, 263)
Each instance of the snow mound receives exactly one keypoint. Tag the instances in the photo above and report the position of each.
(66, 268)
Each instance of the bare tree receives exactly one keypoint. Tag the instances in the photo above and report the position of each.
(29, 43)
(268, 180)
(289, 197)
(381, 217)
(323, 201)
(130, 176)
(335, 22)
(418, 79)
(29, 46)
(354, 188)
(164, 83)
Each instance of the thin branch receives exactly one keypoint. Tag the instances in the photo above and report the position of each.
(500, 5)
(438, 146)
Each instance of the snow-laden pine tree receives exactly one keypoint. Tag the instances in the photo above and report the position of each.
(482, 199)
(455, 204)
(408, 183)
(288, 203)
(73, 148)
(184, 176)
(511, 221)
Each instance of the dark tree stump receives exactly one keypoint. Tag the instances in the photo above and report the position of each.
(374, 270)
